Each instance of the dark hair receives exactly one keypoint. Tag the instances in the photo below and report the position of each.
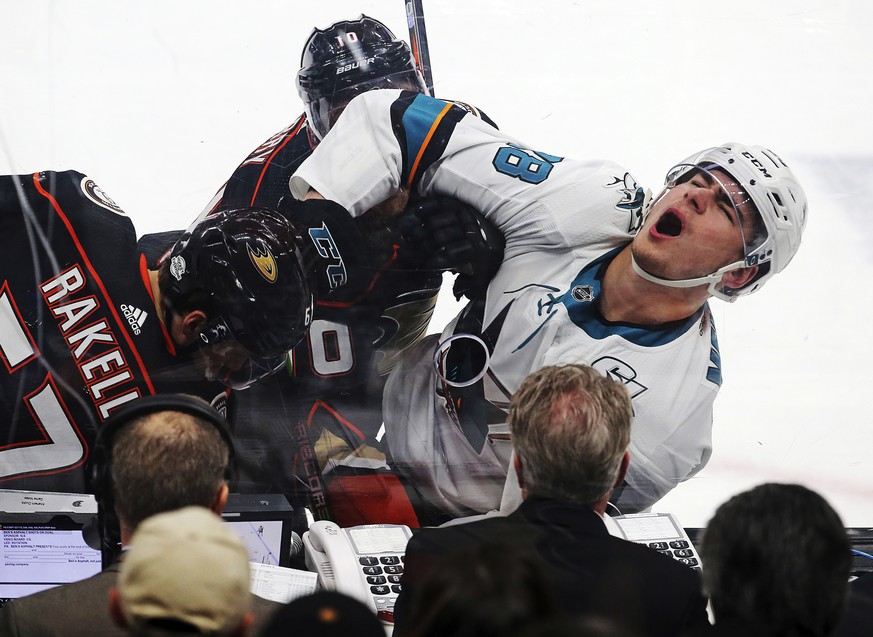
(777, 556)
(488, 591)
(323, 614)
(588, 625)
(165, 461)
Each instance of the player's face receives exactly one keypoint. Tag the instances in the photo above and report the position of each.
(694, 227)
(405, 80)
(221, 360)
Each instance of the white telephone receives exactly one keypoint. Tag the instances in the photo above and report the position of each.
(364, 562)
(659, 531)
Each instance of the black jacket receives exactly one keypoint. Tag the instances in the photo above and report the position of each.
(590, 570)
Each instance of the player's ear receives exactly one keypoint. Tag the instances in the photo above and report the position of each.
(739, 277)
(190, 327)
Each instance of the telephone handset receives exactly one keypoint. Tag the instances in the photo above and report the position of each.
(364, 562)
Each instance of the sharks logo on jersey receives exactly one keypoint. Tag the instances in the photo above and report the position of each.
(633, 199)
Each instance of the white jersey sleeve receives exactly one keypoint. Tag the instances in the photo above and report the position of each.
(358, 163)
(387, 139)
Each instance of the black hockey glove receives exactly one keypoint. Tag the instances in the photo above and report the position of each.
(444, 233)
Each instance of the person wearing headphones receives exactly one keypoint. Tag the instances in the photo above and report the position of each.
(156, 454)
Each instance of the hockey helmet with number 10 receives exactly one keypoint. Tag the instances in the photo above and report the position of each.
(252, 272)
(348, 58)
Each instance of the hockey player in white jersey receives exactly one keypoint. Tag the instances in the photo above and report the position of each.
(591, 274)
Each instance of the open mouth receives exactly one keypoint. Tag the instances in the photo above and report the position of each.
(669, 225)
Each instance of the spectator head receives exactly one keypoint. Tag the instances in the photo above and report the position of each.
(324, 614)
(777, 556)
(570, 430)
(166, 459)
(185, 573)
(588, 625)
(488, 591)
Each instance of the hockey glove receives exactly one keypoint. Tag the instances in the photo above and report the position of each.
(446, 234)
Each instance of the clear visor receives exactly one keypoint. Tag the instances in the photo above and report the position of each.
(324, 111)
(735, 199)
(224, 359)
(233, 365)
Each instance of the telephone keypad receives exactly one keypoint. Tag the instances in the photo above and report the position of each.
(679, 550)
(383, 578)
(690, 561)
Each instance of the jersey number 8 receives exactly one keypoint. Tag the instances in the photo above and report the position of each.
(530, 166)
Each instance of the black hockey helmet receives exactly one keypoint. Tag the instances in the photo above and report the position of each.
(253, 273)
(347, 58)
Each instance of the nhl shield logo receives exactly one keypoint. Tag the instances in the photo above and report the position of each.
(582, 293)
(264, 263)
(177, 267)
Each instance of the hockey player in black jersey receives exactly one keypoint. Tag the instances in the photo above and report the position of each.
(312, 432)
(86, 326)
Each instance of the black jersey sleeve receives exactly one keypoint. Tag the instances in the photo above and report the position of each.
(346, 258)
(262, 178)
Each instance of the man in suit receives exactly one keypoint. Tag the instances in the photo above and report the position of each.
(570, 431)
(156, 454)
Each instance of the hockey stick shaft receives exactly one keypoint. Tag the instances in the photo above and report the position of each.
(418, 40)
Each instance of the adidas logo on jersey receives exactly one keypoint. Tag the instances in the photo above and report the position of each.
(135, 317)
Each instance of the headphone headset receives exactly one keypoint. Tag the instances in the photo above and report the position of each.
(103, 532)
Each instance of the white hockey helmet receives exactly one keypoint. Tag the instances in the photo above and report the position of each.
(780, 202)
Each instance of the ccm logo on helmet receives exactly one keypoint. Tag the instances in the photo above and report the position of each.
(264, 262)
(350, 67)
(757, 164)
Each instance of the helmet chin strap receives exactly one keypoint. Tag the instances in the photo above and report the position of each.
(710, 279)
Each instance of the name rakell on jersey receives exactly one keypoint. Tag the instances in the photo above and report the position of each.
(92, 344)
